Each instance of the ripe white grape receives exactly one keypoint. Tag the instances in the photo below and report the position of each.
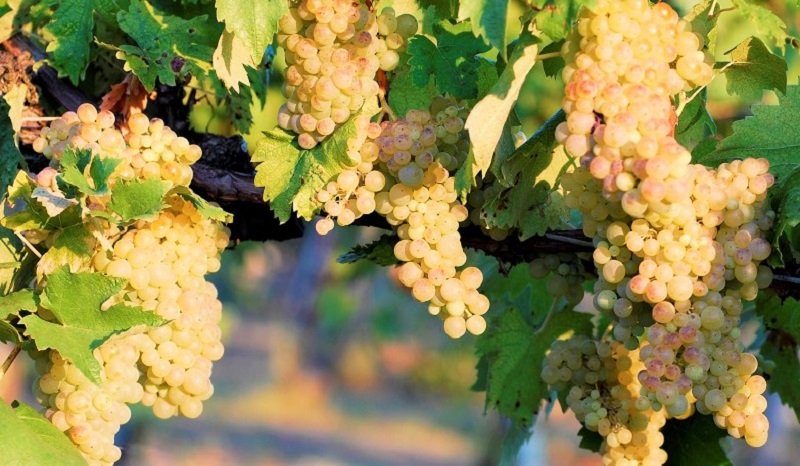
(402, 170)
(148, 150)
(332, 58)
(677, 246)
(164, 261)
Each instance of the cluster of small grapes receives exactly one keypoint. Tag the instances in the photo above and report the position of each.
(334, 48)
(600, 379)
(677, 246)
(420, 199)
(565, 273)
(477, 199)
(146, 148)
(164, 261)
(409, 163)
(352, 194)
(89, 414)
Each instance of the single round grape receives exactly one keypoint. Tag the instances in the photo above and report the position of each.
(455, 327)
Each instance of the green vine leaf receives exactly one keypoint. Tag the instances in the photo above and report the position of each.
(9, 333)
(27, 437)
(782, 319)
(765, 21)
(10, 306)
(512, 349)
(528, 202)
(71, 26)
(694, 441)
(10, 157)
(695, 123)
(254, 23)
(74, 247)
(465, 176)
(780, 315)
(380, 251)
(773, 132)
(16, 262)
(488, 117)
(785, 239)
(277, 155)
(75, 299)
(784, 376)
(442, 8)
(703, 23)
(291, 176)
(553, 66)
(237, 105)
(74, 165)
(164, 41)
(23, 300)
(406, 94)
(556, 17)
(138, 199)
(35, 215)
(231, 61)
(451, 59)
(488, 19)
(754, 69)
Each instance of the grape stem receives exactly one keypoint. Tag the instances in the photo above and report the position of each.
(568, 240)
(385, 108)
(697, 92)
(10, 359)
(545, 56)
(786, 278)
(41, 118)
(549, 315)
(29, 245)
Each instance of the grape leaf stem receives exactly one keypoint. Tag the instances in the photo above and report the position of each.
(550, 313)
(711, 10)
(697, 91)
(39, 118)
(546, 56)
(385, 108)
(29, 245)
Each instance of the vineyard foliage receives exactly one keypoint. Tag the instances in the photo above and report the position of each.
(683, 215)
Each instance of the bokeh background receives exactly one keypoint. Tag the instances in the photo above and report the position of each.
(329, 364)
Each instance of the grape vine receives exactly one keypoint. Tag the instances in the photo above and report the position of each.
(648, 237)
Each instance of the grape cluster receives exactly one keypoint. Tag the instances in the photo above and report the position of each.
(600, 378)
(164, 261)
(420, 200)
(476, 199)
(352, 194)
(146, 148)
(565, 274)
(403, 172)
(678, 246)
(89, 414)
(334, 48)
